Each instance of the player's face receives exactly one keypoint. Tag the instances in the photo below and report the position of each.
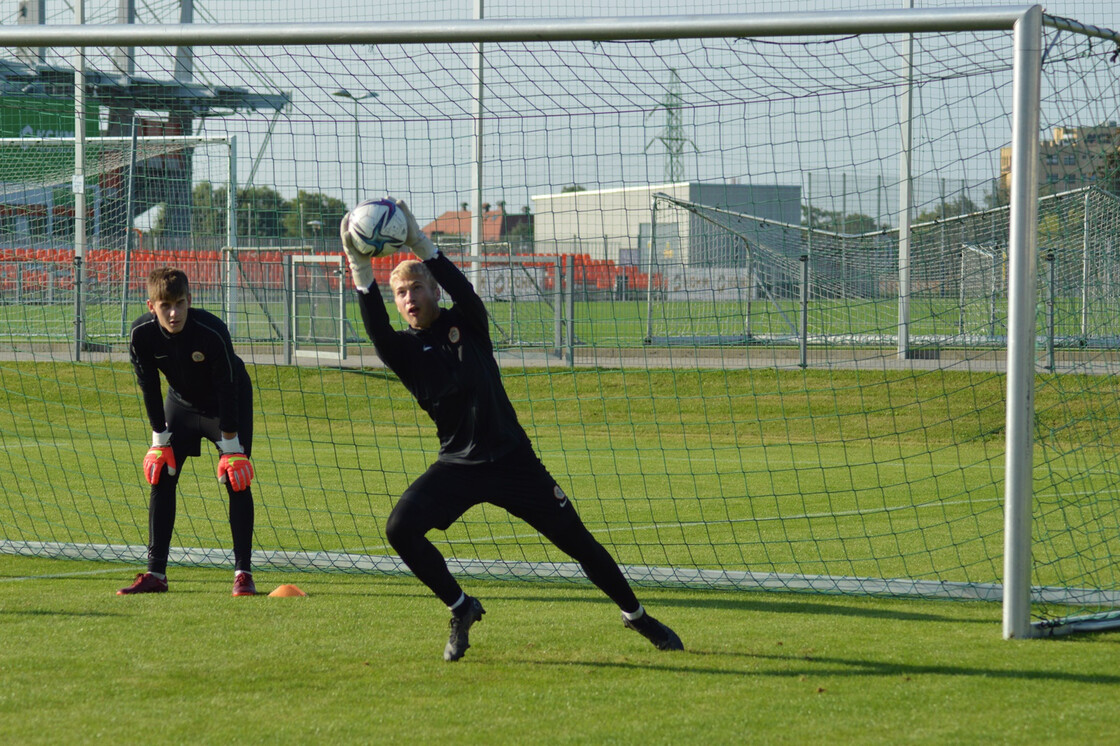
(171, 314)
(417, 301)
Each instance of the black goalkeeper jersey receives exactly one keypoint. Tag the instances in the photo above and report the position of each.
(199, 363)
(450, 369)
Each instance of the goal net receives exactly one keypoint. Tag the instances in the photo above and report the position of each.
(960, 265)
(139, 199)
(758, 319)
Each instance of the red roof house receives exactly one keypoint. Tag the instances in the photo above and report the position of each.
(496, 224)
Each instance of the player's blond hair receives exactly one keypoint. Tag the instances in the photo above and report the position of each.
(409, 270)
(168, 284)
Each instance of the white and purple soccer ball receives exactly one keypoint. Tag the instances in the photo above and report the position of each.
(377, 227)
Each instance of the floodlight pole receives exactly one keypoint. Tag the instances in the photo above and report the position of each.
(905, 201)
(479, 60)
(1085, 267)
(343, 93)
(231, 273)
(78, 185)
(130, 194)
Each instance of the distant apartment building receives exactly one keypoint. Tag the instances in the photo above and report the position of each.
(1075, 157)
(617, 224)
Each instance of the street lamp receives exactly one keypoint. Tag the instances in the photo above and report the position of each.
(316, 226)
(356, 98)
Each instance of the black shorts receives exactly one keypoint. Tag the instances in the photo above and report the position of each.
(517, 482)
(189, 425)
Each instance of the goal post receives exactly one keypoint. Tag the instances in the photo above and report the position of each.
(316, 289)
(1021, 300)
(765, 379)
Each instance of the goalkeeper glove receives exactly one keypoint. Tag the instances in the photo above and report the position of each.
(361, 271)
(417, 240)
(234, 467)
(159, 456)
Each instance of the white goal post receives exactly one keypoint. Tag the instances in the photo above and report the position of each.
(1026, 23)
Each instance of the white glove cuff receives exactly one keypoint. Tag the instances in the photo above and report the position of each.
(161, 440)
(361, 272)
(424, 248)
(230, 445)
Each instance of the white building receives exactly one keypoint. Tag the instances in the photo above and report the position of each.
(615, 224)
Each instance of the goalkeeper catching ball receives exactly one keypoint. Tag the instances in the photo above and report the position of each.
(446, 360)
(209, 395)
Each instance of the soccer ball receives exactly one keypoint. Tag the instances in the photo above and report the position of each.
(377, 227)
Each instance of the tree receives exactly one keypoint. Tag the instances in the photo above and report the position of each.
(260, 212)
(522, 233)
(960, 206)
(852, 224)
(998, 196)
(309, 206)
(208, 210)
(1108, 172)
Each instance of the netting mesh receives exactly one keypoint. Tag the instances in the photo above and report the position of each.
(698, 317)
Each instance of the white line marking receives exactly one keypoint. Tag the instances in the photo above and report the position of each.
(63, 575)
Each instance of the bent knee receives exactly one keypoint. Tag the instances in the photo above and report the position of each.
(404, 524)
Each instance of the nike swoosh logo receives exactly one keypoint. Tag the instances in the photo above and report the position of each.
(426, 348)
(162, 357)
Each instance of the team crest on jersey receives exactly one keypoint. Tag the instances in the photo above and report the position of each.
(559, 495)
(197, 356)
(453, 335)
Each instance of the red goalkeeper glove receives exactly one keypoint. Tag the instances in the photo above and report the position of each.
(234, 467)
(159, 456)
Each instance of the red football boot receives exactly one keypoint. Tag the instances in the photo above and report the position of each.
(243, 584)
(145, 583)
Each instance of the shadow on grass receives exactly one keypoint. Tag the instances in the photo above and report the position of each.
(407, 587)
(797, 666)
(777, 605)
(863, 667)
(805, 605)
(382, 374)
(57, 613)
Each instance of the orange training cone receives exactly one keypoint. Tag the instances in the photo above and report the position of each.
(287, 590)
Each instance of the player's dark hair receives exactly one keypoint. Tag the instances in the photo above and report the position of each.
(168, 284)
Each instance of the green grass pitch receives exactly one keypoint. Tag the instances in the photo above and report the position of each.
(805, 482)
(853, 473)
(359, 661)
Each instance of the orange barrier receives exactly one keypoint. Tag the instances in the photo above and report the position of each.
(39, 268)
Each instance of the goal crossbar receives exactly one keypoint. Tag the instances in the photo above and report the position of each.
(914, 20)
